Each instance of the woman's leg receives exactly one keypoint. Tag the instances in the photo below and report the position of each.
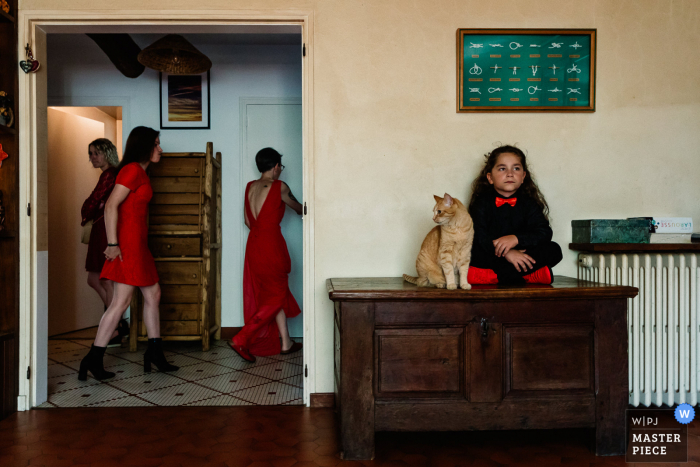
(108, 286)
(281, 320)
(108, 323)
(94, 281)
(151, 315)
(104, 289)
(151, 318)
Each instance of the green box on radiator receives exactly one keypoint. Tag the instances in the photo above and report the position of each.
(610, 231)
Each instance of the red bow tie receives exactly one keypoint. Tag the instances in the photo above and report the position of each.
(501, 201)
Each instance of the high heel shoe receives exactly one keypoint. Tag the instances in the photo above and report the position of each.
(154, 354)
(93, 363)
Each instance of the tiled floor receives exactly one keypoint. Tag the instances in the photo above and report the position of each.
(275, 437)
(218, 377)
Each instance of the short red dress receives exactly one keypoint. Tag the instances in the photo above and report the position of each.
(137, 266)
(93, 210)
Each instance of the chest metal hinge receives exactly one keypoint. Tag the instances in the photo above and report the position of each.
(29, 209)
(306, 371)
(303, 50)
(29, 372)
(304, 208)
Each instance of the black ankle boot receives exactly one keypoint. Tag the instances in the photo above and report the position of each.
(93, 363)
(154, 354)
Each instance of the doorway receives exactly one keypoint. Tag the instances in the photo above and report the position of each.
(31, 391)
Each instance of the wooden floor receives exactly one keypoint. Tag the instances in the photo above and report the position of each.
(270, 437)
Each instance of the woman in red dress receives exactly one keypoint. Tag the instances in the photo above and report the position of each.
(129, 262)
(103, 156)
(267, 300)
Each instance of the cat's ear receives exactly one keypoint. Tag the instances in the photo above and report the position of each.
(437, 198)
(448, 200)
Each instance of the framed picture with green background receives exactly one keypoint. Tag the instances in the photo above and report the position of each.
(526, 70)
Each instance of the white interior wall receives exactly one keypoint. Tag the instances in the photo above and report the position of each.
(386, 135)
(72, 303)
(78, 68)
(93, 113)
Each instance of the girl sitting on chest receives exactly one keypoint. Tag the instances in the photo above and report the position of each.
(512, 237)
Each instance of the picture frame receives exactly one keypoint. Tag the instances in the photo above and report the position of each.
(185, 101)
(526, 70)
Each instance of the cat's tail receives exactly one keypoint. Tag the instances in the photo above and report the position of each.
(410, 279)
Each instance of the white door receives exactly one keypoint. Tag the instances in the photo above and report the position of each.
(277, 123)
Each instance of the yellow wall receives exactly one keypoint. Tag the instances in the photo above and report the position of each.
(387, 136)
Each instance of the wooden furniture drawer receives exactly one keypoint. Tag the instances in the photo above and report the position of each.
(178, 167)
(180, 312)
(176, 184)
(174, 328)
(160, 199)
(180, 294)
(175, 246)
(179, 272)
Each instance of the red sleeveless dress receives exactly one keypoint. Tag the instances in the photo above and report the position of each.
(265, 277)
(137, 266)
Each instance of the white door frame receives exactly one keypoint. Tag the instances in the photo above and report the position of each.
(32, 28)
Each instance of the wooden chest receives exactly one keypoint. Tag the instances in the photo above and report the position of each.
(185, 240)
(491, 358)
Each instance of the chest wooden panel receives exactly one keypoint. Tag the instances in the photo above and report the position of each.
(417, 359)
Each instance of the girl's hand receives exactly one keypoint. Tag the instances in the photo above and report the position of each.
(520, 260)
(112, 252)
(505, 244)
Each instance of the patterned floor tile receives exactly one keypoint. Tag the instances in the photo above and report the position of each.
(274, 393)
(129, 401)
(201, 370)
(181, 360)
(56, 347)
(68, 382)
(86, 396)
(232, 382)
(179, 395)
(146, 382)
(222, 401)
(237, 363)
(296, 380)
(217, 374)
(275, 371)
(58, 369)
(72, 356)
(296, 358)
(214, 353)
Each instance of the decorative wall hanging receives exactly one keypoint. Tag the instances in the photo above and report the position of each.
(184, 102)
(521, 70)
(175, 55)
(30, 65)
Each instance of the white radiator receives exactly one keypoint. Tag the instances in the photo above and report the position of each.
(662, 322)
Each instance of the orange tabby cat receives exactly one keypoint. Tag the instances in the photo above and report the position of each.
(447, 249)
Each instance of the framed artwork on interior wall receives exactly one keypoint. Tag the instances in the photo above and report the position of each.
(184, 102)
(526, 70)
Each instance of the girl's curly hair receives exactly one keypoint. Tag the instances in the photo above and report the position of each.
(481, 184)
(107, 149)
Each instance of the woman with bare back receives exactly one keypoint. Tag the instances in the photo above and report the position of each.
(267, 300)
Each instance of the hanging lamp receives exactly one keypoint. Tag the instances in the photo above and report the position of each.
(175, 55)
